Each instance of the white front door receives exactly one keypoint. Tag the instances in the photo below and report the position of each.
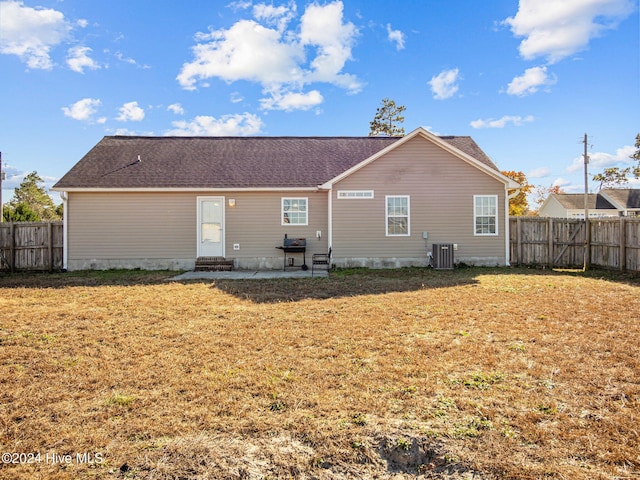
(210, 226)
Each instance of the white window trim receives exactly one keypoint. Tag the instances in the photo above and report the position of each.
(475, 216)
(386, 216)
(283, 223)
(355, 194)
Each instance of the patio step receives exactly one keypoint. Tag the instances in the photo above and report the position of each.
(213, 264)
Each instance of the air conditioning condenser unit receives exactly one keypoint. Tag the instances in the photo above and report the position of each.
(443, 256)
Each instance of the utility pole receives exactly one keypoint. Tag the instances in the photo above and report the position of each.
(1, 179)
(587, 232)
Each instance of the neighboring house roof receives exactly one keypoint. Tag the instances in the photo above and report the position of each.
(623, 198)
(234, 162)
(575, 201)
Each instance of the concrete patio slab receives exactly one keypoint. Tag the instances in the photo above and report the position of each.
(249, 275)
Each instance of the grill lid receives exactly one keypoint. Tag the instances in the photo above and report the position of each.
(294, 242)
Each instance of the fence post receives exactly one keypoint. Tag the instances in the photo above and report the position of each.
(519, 240)
(550, 242)
(587, 244)
(12, 246)
(623, 243)
(50, 246)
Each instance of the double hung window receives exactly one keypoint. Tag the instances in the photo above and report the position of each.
(294, 211)
(397, 215)
(485, 215)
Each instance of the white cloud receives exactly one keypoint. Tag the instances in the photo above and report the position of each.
(240, 5)
(281, 59)
(227, 125)
(125, 132)
(82, 23)
(31, 33)
(540, 172)
(444, 85)
(83, 110)
(564, 184)
(130, 112)
(396, 36)
(120, 56)
(236, 97)
(601, 160)
(292, 101)
(247, 51)
(529, 83)
(323, 27)
(557, 29)
(516, 120)
(634, 183)
(278, 17)
(78, 59)
(131, 61)
(429, 128)
(176, 108)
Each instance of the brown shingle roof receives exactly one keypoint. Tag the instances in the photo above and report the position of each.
(471, 148)
(229, 162)
(626, 198)
(575, 201)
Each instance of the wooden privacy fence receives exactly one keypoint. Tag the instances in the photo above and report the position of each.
(558, 242)
(554, 242)
(31, 246)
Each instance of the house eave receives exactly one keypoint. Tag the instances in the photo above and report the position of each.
(185, 189)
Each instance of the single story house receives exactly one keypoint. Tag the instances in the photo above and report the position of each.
(571, 205)
(610, 202)
(162, 202)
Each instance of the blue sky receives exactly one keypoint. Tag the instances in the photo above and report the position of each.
(526, 79)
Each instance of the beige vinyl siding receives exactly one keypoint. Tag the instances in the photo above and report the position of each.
(553, 208)
(131, 225)
(441, 188)
(255, 224)
(131, 229)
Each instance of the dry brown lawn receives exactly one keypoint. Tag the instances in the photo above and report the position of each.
(476, 373)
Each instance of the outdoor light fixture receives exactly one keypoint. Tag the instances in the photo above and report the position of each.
(232, 202)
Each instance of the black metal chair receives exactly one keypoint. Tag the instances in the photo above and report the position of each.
(321, 259)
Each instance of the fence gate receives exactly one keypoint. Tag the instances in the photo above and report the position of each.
(547, 241)
(559, 242)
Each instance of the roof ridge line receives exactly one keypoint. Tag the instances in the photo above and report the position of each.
(203, 137)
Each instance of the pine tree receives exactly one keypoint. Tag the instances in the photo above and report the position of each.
(31, 202)
(386, 121)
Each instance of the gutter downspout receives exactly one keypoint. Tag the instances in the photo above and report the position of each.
(65, 229)
(330, 220)
(329, 190)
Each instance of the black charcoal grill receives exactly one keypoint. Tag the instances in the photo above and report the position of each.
(294, 245)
